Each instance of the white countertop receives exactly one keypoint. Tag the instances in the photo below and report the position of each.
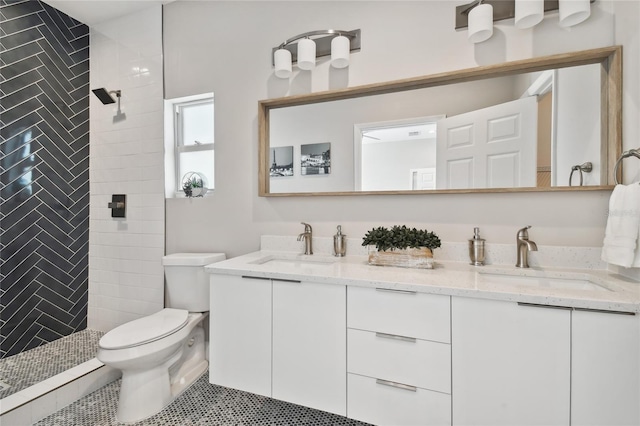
(448, 278)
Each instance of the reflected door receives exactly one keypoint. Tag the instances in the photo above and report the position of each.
(492, 147)
(424, 178)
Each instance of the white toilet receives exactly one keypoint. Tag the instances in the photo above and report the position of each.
(164, 353)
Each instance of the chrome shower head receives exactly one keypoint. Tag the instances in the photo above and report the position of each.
(104, 96)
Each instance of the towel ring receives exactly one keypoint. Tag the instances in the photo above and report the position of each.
(585, 167)
(626, 154)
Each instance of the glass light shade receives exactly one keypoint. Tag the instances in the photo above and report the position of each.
(572, 12)
(306, 54)
(282, 61)
(481, 23)
(340, 48)
(528, 13)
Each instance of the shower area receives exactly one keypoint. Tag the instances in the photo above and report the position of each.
(58, 296)
(44, 160)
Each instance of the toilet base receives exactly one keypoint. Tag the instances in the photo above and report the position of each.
(188, 378)
(144, 393)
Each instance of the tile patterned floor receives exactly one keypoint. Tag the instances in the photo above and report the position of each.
(201, 404)
(33, 366)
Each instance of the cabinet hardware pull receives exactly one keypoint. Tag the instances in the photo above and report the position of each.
(396, 291)
(396, 385)
(537, 305)
(603, 311)
(286, 281)
(256, 278)
(396, 337)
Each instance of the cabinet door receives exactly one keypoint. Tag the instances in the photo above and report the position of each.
(605, 369)
(309, 344)
(510, 363)
(240, 333)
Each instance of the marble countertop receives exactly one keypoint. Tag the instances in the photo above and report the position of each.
(576, 288)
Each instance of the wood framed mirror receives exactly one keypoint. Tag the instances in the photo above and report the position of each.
(551, 123)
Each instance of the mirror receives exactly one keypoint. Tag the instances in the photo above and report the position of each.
(542, 124)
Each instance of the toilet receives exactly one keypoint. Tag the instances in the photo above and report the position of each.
(162, 354)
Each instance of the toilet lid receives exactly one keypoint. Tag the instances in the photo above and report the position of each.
(145, 330)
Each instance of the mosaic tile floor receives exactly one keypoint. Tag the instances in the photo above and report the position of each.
(33, 366)
(201, 404)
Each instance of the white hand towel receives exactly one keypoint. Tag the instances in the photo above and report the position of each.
(622, 234)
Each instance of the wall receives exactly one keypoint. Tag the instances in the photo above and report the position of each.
(387, 165)
(126, 278)
(399, 39)
(44, 142)
(578, 129)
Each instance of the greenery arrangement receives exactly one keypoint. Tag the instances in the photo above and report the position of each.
(400, 237)
(191, 182)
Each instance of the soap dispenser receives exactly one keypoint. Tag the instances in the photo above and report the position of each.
(339, 243)
(476, 248)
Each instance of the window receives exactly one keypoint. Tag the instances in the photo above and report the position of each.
(192, 145)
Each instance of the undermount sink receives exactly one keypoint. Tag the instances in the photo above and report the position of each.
(292, 260)
(543, 280)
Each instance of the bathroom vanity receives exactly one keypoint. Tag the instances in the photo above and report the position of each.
(456, 345)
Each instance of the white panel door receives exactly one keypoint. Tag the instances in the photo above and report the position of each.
(510, 363)
(493, 147)
(424, 178)
(309, 345)
(240, 333)
(605, 369)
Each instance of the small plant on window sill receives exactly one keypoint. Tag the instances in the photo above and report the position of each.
(193, 185)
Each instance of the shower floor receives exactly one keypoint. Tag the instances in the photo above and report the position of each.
(201, 404)
(28, 368)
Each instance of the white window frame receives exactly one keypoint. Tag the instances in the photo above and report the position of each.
(174, 144)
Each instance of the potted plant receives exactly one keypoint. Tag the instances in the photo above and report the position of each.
(193, 185)
(401, 246)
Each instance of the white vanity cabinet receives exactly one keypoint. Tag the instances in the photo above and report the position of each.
(279, 338)
(240, 333)
(398, 357)
(309, 344)
(605, 369)
(510, 363)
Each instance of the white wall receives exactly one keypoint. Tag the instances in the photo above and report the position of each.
(577, 97)
(126, 279)
(386, 165)
(225, 47)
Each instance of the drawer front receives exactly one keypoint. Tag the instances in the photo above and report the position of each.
(383, 403)
(419, 315)
(414, 362)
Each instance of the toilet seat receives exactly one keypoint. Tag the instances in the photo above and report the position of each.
(145, 330)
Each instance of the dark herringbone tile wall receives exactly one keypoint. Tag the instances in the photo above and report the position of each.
(44, 166)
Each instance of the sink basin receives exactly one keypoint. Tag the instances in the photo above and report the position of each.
(544, 280)
(292, 260)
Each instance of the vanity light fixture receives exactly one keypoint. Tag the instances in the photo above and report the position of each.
(303, 49)
(480, 22)
(526, 14)
(572, 12)
(306, 54)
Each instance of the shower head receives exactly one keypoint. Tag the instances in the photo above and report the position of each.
(104, 96)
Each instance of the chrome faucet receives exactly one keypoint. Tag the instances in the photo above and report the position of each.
(524, 246)
(307, 236)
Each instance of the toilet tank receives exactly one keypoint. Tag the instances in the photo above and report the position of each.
(186, 282)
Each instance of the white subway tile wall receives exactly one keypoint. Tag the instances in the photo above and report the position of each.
(126, 279)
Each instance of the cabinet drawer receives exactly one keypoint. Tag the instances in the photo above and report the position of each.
(414, 362)
(385, 404)
(419, 315)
